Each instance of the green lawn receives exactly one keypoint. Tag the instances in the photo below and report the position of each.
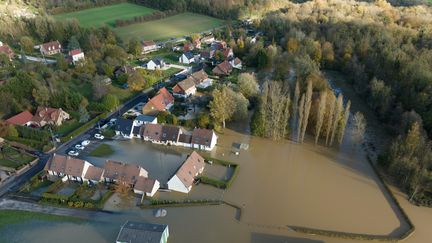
(175, 26)
(102, 151)
(8, 217)
(97, 17)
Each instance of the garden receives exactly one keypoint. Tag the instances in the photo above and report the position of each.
(12, 158)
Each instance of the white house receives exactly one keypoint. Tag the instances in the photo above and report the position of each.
(203, 139)
(93, 175)
(143, 119)
(119, 172)
(236, 63)
(50, 48)
(67, 167)
(187, 58)
(208, 39)
(75, 56)
(148, 46)
(205, 84)
(156, 63)
(136, 232)
(146, 187)
(124, 128)
(183, 179)
(185, 88)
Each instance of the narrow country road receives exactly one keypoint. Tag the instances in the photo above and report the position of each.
(39, 59)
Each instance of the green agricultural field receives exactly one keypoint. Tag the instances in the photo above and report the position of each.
(97, 17)
(175, 26)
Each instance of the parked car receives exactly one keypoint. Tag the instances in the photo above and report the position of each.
(79, 146)
(73, 153)
(85, 142)
(99, 136)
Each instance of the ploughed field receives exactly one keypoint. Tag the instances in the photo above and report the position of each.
(107, 15)
(174, 26)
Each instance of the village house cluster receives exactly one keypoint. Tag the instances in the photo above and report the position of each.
(54, 47)
(42, 117)
(78, 170)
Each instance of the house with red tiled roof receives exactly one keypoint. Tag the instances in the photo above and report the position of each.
(203, 139)
(115, 171)
(5, 49)
(50, 48)
(184, 178)
(49, 116)
(60, 166)
(75, 56)
(236, 63)
(163, 101)
(227, 53)
(187, 47)
(22, 119)
(146, 187)
(148, 46)
(223, 69)
(185, 88)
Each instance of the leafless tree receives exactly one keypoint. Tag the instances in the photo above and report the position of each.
(300, 118)
(344, 122)
(307, 107)
(329, 121)
(359, 127)
(336, 117)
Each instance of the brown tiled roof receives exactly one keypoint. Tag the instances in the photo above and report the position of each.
(223, 68)
(184, 85)
(94, 173)
(148, 43)
(21, 118)
(127, 173)
(144, 184)
(46, 114)
(226, 52)
(202, 136)
(154, 131)
(237, 61)
(184, 138)
(208, 53)
(199, 76)
(66, 165)
(190, 168)
(160, 101)
(170, 133)
(55, 45)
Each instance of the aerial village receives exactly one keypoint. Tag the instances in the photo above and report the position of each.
(199, 63)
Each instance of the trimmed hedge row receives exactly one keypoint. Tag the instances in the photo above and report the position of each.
(83, 128)
(184, 203)
(220, 183)
(356, 236)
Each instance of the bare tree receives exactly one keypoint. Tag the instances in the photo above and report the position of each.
(300, 119)
(320, 114)
(344, 122)
(359, 127)
(307, 107)
(336, 117)
(329, 122)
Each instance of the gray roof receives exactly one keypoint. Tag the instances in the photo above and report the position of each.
(141, 232)
(144, 118)
(158, 60)
(124, 125)
(189, 55)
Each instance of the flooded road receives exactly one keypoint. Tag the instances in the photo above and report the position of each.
(279, 184)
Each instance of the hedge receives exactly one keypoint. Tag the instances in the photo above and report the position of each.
(220, 183)
(83, 128)
(184, 203)
(48, 195)
(29, 142)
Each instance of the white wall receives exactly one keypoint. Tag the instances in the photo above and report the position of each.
(175, 184)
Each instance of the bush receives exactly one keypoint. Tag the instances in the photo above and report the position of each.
(31, 133)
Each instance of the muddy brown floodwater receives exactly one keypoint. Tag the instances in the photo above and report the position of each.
(279, 184)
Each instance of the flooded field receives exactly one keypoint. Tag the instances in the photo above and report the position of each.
(279, 184)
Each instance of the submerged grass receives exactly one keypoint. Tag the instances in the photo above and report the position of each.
(8, 217)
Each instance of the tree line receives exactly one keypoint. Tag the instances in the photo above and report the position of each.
(145, 18)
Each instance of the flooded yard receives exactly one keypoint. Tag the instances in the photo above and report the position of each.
(279, 184)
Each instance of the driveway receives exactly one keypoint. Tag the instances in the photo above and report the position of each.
(38, 59)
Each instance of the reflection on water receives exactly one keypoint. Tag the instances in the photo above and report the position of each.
(279, 184)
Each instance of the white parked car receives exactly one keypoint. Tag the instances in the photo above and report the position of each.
(79, 146)
(85, 142)
(99, 136)
(73, 153)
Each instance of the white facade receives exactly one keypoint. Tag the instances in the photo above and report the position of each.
(151, 65)
(150, 48)
(175, 184)
(156, 187)
(76, 58)
(205, 84)
(185, 60)
(207, 148)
